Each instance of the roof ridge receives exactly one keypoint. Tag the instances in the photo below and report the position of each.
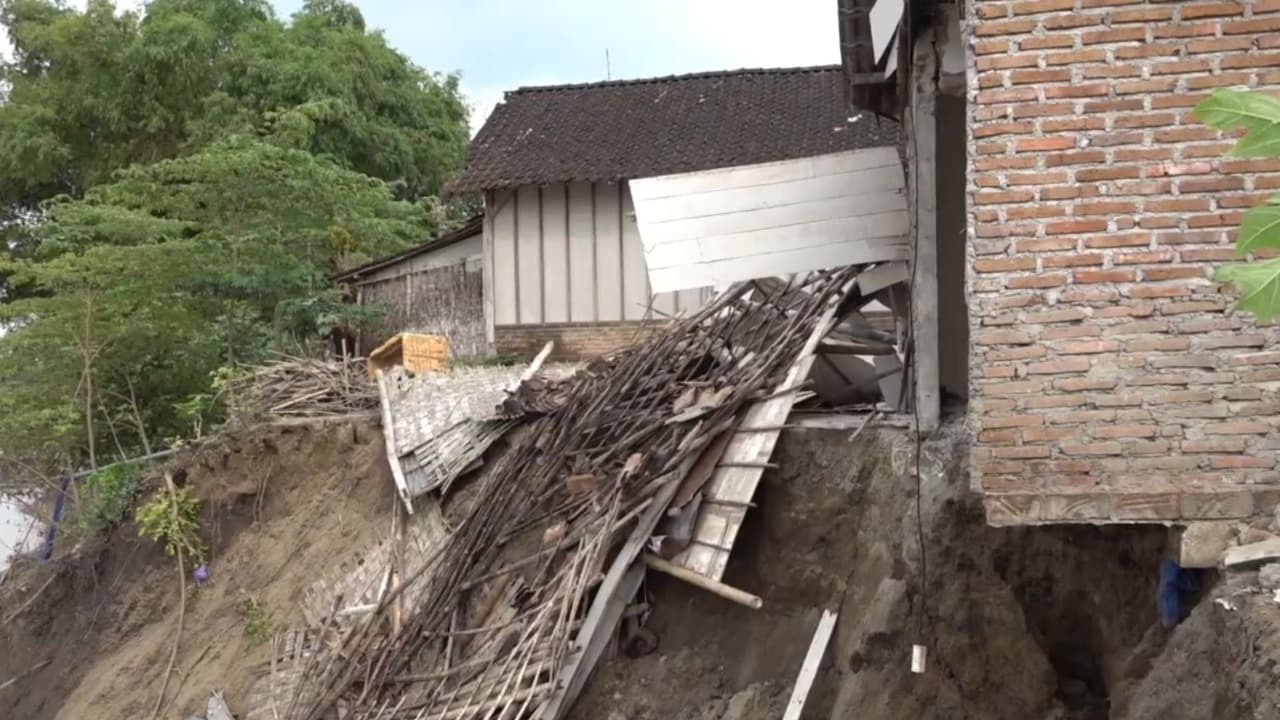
(674, 78)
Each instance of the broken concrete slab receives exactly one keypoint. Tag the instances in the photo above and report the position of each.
(1203, 543)
(1251, 554)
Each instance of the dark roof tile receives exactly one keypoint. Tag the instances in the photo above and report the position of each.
(626, 129)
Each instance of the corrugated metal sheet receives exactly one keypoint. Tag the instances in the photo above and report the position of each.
(715, 227)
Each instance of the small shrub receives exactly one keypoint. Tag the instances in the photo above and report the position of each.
(173, 522)
(256, 618)
(109, 494)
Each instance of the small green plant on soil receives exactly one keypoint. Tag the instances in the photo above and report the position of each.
(173, 521)
(1258, 115)
(109, 494)
(256, 618)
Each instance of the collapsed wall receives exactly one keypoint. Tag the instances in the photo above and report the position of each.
(1020, 623)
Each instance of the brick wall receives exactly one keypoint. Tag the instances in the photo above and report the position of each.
(1110, 379)
(574, 341)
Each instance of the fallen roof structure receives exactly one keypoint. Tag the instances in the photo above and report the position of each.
(630, 462)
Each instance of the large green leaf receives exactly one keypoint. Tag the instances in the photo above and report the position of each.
(1257, 113)
(1259, 284)
(1261, 228)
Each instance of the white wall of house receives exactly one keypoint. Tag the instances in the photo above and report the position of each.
(471, 249)
(569, 253)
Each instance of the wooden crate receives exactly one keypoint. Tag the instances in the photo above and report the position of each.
(417, 353)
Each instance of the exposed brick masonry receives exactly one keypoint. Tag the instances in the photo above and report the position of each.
(1111, 381)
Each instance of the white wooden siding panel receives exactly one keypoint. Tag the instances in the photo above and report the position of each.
(504, 258)
(529, 254)
(782, 171)
(555, 254)
(849, 187)
(582, 255)
(635, 277)
(723, 272)
(608, 252)
(738, 226)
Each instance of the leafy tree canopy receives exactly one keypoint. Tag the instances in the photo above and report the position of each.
(92, 92)
(176, 186)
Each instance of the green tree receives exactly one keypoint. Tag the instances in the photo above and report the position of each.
(89, 93)
(1257, 114)
(141, 289)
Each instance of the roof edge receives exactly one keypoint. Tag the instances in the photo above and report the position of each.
(527, 89)
(472, 227)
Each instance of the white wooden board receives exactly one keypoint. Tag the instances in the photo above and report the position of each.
(715, 227)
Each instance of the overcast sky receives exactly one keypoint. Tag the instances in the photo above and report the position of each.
(498, 45)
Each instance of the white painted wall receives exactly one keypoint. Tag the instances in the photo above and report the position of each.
(570, 253)
(470, 249)
(714, 227)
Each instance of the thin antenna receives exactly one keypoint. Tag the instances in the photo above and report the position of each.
(608, 71)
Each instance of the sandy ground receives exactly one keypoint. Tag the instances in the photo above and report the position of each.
(280, 506)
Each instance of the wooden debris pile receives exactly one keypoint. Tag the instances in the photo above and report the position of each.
(520, 602)
(301, 387)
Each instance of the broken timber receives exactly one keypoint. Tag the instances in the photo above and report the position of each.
(733, 484)
(809, 670)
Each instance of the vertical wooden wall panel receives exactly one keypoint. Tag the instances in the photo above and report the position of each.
(608, 252)
(529, 254)
(504, 258)
(555, 254)
(582, 255)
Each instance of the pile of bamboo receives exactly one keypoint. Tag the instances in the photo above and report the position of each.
(520, 598)
(301, 387)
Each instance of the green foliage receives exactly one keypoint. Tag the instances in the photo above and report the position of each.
(173, 522)
(1258, 115)
(107, 496)
(257, 620)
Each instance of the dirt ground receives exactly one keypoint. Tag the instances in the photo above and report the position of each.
(281, 505)
(1027, 624)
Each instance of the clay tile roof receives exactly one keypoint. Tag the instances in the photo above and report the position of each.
(626, 129)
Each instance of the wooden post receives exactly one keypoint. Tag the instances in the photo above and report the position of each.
(922, 154)
(486, 245)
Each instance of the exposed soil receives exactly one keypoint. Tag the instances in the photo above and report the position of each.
(1029, 624)
(281, 504)
(1026, 624)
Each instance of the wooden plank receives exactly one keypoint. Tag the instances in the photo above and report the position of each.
(616, 590)
(555, 253)
(389, 436)
(635, 277)
(758, 174)
(922, 151)
(730, 490)
(582, 271)
(608, 249)
(715, 587)
(528, 241)
(726, 272)
(502, 258)
(875, 279)
(812, 662)
(884, 16)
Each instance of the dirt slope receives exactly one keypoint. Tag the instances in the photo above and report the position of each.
(280, 506)
(1026, 624)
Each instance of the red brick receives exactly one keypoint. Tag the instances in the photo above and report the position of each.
(1197, 306)
(1182, 204)
(1081, 157)
(1024, 452)
(1009, 128)
(1003, 196)
(1182, 67)
(1006, 95)
(1081, 260)
(1019, 353)
(998, 436)
(1173, 273)
(1003, 337)
(1146, 50)
(1104, 276)
(1084, 384)
(1053, 401)
(1037, 281)
(1142, 15)
(1057, 367)
(1090, 449)
(1143, 258)
(1025, 77)
(1184, 30)
(1196, 47)
(1118, 240)
(1251, 61)
(1047, 143)
(1054, 92)
(1214, 81)
(1046, 42)
(1261, 358)
(989, 10)
(1094, 174)
(1011, 421)
(1009, 27)
(1237, 428)
(1034, 7)
(1113, 207)
(1076, 57)
(1007, 61)
(1070, 332)
(1130, 34)
(1250, 27)
(1045, 434)
(1169, 344)
(1088, 347)
(1225, 9)
(1074, 227)
(1217, 445)
(1045, 244)
(1229, 462)
(989, 47)
(1055, 316)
